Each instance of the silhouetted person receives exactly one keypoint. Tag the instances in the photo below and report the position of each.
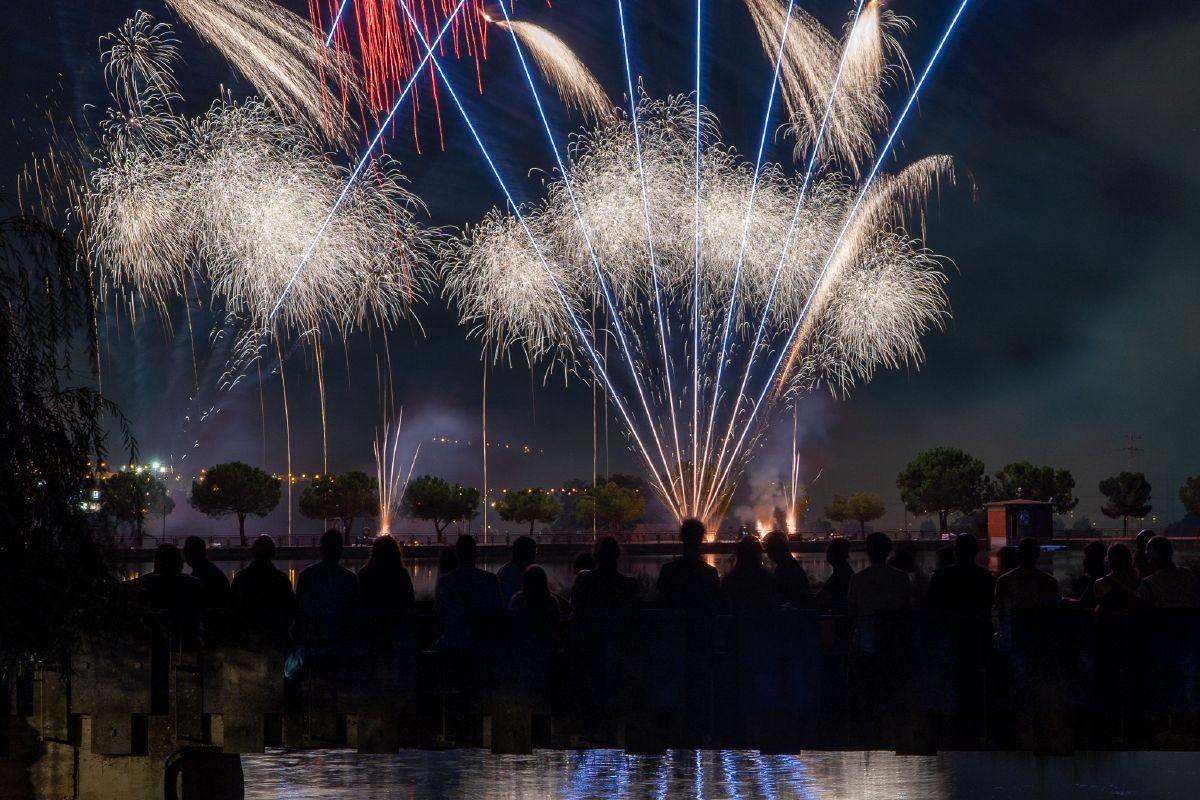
(1117, 590)
(216, 585)
(790, 582)
(603, 589)
(584, 560)
(945, 557)
(687, 583)
(1026, 587)
(447, 560)
(524, 553)
(535, 606)
(261, 595)
(1141, 562)
(1006, 559)
(1093, 570)
(384, 582)
(832, 594)
(466, 599)
(964, 588)
(326, 593)
(904, 558)
(876, 588)
(748, 584)
(1167, 585)
(177, 596)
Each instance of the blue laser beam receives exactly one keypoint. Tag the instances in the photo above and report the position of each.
(597, 363)
(908, 106)
(336, 21)
(601, 280)
(362, 162)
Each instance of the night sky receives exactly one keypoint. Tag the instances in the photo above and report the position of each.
(1074, 280)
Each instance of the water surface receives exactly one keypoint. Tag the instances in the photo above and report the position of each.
(740, 775)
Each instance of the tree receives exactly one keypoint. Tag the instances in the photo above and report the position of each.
(1128, 496)
(1189, 495)
(132, 496)
(55, 580)
(528, 505)
(1024, 480)
(235, 488)
(942, 480)
(433, 499)
(344, 497)
(859, 506)
(613, 507)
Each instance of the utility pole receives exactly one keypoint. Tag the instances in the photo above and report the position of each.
(1131, 449)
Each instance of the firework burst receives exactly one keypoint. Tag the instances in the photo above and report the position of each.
(725, 269)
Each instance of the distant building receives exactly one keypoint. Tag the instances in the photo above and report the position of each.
(1010, 521)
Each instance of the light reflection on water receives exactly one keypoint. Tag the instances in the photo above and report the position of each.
(744, 775)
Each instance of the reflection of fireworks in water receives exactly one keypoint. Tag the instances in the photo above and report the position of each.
(720, 269)
(392, 477)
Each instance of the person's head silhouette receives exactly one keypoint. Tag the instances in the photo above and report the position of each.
(263, 548)
(837, 553)
(607, 553)
(524, 551)
(775, 544)
(1028, 551)
(966, 548)
(691, 533)
(748, 554)
(447, 559)
(168, 560)
(1143, 539)
(465, 550)
(385, 554)
(194, 551)
(879, 546)
(1161, 552)
(534, 584)
(331, 545)
(1120, 559)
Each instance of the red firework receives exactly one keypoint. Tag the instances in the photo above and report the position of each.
(378, 37)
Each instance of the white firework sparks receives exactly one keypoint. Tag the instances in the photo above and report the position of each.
(276, 51)
(812, 268)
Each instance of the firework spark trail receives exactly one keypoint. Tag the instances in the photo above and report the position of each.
(808, 175)
(776, 379)
(572, 315)
(659, 315)
(602, 282)
(391, 477)
(697, 473)
(272, 48)
(388, 48)
(486, 272)
(745, 233)
(366, 156)
(577, 87)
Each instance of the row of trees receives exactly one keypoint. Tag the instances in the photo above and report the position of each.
(240, 490)
(946, 480)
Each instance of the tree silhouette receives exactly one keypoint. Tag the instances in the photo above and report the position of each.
(344, 497)
(531, 505)
(1046, 484)
(235, 488)
(1189, 495)
(434, 499)
(859, 506)
(613, 507)
(132, 496)
(1128, 496)
(942, 480)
